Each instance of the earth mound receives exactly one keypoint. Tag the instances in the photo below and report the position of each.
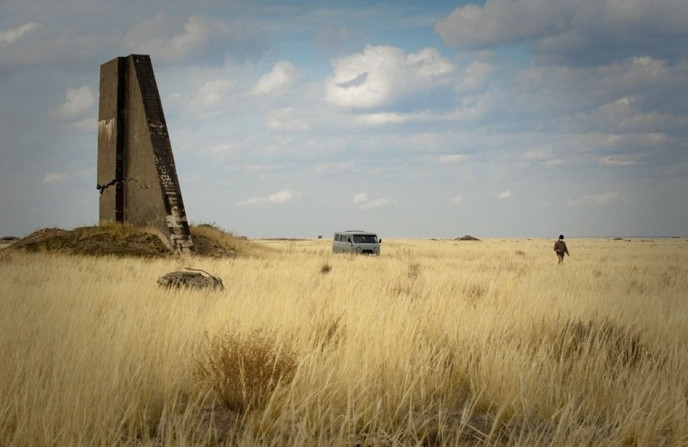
(467, 237)
(126, 240)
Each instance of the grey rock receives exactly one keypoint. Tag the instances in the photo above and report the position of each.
(192, 278)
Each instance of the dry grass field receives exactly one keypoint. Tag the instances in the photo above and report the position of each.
(432, 343)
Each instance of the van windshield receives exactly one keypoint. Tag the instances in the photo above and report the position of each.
(365, 238)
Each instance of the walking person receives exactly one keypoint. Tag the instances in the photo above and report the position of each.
(561, 249)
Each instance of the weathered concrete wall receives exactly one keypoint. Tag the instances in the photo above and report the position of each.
(137, 175)
(111, 141)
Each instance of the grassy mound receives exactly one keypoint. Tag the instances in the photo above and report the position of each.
(125, 240)
(210, 240)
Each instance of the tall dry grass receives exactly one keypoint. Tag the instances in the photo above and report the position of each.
(432, 343)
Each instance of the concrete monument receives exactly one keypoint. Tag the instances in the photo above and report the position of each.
(137, 177)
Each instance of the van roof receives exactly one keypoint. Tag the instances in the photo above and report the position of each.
(356, 232)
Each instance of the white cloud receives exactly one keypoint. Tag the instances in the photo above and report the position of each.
(630, 114)
(562, 27)
(365, 203)
(334, 168)
(87, 124)
(500, 21)
(285, 120)
(165, 38)
(505, 194)
(666, 14)
(537, 154)
(220, 149)
(474, 76)
(279, 198)
(596, 199)
(365, 79)
(630, 96)
(542, 155)
(645, 70)
(212, 94)
(377, 203)
(453, 158)
(473, 107)
(54, 177)
(616, 161)
(78, 101)
(280, 77)
(381, 75)
(380, 119)
(360, 198)
(13, 34)
(51, 178)
(456, 199)
(159, 36)
(428, 63)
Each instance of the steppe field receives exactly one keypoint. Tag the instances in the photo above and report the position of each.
(435, 342)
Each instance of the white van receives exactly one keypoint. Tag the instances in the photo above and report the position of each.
(356, 241)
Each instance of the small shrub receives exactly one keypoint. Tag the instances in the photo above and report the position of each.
(244, 370)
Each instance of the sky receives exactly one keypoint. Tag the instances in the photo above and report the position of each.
(412, 119)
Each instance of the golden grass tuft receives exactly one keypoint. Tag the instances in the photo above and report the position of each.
(243, 370)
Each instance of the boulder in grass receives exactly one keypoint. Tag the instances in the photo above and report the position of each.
(192, 278)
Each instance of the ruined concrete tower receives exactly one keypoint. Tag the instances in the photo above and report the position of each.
(137, 177)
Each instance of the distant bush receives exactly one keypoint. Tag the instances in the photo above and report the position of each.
(244, 370)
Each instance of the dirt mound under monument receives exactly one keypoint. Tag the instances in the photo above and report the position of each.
(126, 240)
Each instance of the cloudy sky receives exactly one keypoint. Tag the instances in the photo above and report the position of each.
(496, 118)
